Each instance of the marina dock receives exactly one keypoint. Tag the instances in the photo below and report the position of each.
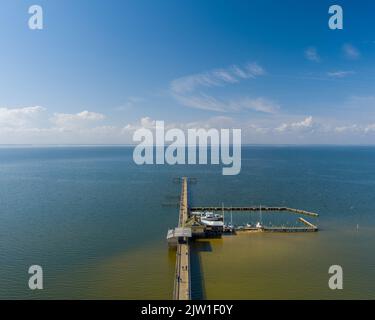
(278, 229)
(238, 209)
(204, 222)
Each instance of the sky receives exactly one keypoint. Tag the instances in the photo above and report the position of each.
(99, 70)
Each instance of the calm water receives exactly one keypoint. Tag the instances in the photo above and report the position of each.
(97, 224)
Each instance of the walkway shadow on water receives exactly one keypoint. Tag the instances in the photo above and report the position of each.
(198, 291)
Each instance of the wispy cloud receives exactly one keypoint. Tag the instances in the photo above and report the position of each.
(215, 78)
(129, 103)
(311, 54)
(339, 74)
(188, 90)
(260, 104)
(362, 101)
(350, 52)
(210, 103)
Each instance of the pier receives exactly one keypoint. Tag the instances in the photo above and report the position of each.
(182, 285)
(192, 225)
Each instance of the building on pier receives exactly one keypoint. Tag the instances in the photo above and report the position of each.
(178, 235)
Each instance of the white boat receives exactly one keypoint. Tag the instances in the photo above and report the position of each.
(213, 223)
(229, 227)
(210, 216)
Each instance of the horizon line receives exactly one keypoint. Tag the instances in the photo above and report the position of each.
(208, 145)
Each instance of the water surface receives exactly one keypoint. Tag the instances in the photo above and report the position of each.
(96, 223)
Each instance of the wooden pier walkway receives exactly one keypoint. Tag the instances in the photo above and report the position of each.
(182, 284)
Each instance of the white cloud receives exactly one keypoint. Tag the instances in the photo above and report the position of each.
(350, 51)
(145, 122)
(219, 122)
(339, 74)
(356, 129)
(24, 125)
(347, 128)
(311, 54)
(306, 130)
(257, 129)
(81, 119)
(307, 123)
(370, 128)
(19, 117)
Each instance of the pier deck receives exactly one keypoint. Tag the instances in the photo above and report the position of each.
(182, 285)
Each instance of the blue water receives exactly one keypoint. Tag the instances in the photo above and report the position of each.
(86, 214)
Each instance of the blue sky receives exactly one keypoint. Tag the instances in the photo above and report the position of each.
(100, 69)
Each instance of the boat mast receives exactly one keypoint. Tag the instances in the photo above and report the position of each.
(231, 217)
(222, 210)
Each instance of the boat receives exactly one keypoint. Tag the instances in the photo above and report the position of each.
(228, 228)
(210, 216)
(259, 225)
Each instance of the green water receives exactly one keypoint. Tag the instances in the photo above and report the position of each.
(97, 223)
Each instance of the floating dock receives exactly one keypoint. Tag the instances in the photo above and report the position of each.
(277, 229)
(237, 209)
